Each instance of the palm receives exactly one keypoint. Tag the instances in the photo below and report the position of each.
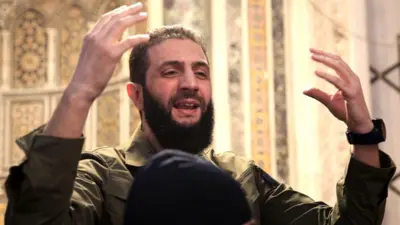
(335, 103)
(337, 106)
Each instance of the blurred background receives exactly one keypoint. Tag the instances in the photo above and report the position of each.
(260, 65)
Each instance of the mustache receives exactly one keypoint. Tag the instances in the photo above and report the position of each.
(185, 94)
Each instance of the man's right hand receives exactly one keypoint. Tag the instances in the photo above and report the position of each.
(102, 50)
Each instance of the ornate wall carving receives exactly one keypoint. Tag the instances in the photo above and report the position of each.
(75, 27)
(30, 51)
(108, 126)
(25, 115)
(260, 143)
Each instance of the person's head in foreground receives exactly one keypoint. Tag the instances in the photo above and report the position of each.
(177, 188)
(171, 87)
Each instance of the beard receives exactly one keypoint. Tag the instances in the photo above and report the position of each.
(192, 138)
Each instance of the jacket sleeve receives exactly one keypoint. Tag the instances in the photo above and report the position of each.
(54, 186)
(361, 198)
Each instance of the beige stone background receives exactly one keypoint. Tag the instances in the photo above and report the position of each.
(260, 65)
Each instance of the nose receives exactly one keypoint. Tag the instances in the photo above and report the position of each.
(189, 81)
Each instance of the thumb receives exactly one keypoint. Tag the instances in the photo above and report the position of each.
(132, 41)
(318, 95)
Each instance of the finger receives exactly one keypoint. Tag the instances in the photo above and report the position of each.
(130, 42)
(327, 54)
(338, 66)
(336, 81)
(121, 25)
(318, 95)
(116, 18)
(332, 56)
(106, 17)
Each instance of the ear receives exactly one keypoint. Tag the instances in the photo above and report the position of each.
(135, 93)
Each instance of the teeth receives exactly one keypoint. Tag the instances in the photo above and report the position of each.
(187, 105)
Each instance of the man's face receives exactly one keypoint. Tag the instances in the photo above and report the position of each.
(177, 96)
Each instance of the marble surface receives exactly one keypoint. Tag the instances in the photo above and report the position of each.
(234, 24)
(384, 52)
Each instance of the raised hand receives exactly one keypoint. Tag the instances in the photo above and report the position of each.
(348, 103)
(102, 50)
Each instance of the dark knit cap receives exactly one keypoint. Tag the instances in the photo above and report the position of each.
(177, 188)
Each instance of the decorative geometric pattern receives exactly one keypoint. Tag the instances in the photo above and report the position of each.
(30, 51)
(278, 42)
(260, 131)
(74, 28)
(134, 118)
(24, 116)
(108, 117)
(386, 73)
(234, 42)
(194, 14)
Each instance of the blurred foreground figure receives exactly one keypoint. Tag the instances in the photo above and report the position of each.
(181, 189)
(171, 87)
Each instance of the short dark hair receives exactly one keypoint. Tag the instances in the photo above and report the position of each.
(138, 59)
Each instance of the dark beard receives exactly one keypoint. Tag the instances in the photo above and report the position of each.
(191, 138)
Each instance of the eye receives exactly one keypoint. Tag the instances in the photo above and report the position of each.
(201, 74)
(170, 73)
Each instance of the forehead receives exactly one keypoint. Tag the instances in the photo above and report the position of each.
(176, 50)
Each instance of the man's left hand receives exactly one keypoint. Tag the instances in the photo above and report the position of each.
(348, 103)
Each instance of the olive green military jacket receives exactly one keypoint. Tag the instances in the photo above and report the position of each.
(58, 184)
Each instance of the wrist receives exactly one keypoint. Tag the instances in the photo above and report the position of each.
(367, 134)
(75, 98)
(363, 128)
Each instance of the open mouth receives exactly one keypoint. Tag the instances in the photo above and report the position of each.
(187, 105)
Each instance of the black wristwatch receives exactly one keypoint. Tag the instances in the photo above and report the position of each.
(375, 136)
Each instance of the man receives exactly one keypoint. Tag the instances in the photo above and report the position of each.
(172, 90)
(179, 188)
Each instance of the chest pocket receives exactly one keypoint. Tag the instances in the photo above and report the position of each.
(117, 192)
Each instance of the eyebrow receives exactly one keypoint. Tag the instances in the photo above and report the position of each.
(178, 63)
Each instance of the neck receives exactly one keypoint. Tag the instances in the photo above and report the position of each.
(148, 133)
